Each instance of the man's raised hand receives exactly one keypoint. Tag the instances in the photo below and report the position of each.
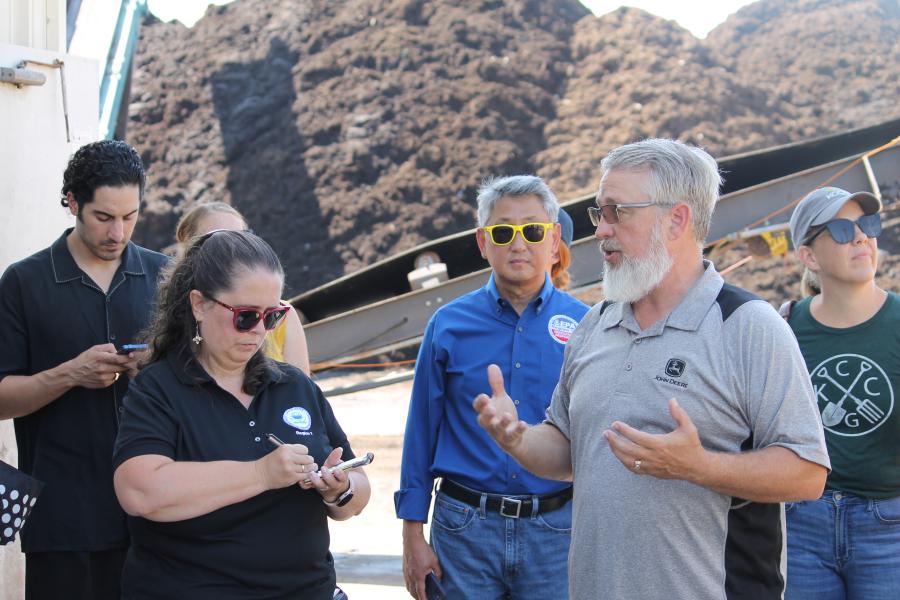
(497, 413)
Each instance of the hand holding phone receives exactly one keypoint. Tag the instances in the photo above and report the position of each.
(353, 463)
(129, 348)
(347, 465)
(433, 589)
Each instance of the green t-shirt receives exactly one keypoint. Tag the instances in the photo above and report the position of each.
(856, 376)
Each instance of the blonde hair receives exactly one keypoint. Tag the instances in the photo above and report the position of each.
(809, 284)
(559, 273)
(187, 224)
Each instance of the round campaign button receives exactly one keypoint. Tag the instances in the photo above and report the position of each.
(561, 327)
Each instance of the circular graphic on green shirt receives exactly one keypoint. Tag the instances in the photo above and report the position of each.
(854, 394)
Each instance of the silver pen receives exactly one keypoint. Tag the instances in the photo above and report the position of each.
(275, 441)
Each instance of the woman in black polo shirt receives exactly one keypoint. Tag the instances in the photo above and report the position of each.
(216, 510)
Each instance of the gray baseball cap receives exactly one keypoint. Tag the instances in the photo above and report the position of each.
(567, 226)
(820, 206)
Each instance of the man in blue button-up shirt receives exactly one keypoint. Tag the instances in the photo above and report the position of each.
(498, 531)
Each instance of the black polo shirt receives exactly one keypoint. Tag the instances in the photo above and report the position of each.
(50, 312)
(274, 545)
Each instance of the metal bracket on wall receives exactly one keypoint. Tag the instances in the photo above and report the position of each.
(21, 77)
(56, 64)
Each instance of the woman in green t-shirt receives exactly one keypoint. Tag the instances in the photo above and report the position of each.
(846, 545)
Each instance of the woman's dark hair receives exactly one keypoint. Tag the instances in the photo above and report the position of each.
(110, 163)
(210, 265)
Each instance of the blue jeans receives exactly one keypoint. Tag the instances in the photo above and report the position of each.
(843, 546)
(487, 556)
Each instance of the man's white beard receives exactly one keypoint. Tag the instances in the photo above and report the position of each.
(634, 278)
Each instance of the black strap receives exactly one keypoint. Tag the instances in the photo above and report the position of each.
(786, 309)
(508, 506)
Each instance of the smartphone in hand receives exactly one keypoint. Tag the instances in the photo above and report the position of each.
(433, 589)
(348, 465)
(129, 348)
(354, 463)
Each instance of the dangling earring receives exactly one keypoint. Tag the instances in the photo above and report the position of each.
(197, 337)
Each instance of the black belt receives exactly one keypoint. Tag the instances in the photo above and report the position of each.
(506, 505)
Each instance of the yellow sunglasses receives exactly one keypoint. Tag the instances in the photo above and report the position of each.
(503, 235)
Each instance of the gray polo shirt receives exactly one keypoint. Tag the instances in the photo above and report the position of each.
(734, 366)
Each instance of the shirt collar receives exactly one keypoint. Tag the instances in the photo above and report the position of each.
(542, 298)
(132, 263)
(66, 269)
(616, 314)
(692, 309)
(689, 313)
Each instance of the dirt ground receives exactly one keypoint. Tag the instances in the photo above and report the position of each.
(368, 548)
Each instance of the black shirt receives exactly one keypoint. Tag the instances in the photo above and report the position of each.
(50, 312)
(274, 545)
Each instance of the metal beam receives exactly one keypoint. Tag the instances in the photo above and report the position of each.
(398, 321)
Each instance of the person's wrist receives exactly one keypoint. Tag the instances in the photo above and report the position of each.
(413, 530)
(334, 501)
(68, 373)
(701, 470)
(259, 471)
(512, 448)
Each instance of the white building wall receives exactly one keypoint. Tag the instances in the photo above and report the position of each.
(34, 150)
(35, 24)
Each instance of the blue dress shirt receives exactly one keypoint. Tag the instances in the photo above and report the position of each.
(443, 438)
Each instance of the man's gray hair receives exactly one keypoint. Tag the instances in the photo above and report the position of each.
(516, 185)
(678, 173)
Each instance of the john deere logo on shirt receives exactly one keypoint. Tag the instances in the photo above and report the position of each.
(854, 394)
(561, 327)
(298, 418)
(675, 367)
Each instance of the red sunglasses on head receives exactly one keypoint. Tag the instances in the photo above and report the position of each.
(245, 318)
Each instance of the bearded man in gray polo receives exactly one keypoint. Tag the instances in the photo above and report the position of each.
(684, 414)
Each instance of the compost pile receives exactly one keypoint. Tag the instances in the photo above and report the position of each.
(348, 131)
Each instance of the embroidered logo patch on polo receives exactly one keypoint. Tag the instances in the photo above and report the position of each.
(675, 367)
(561, 327)
(298, 418)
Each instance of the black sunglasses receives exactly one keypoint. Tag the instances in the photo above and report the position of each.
(843, 231)
(245, 318)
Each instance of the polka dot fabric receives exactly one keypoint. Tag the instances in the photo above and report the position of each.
(18, 493)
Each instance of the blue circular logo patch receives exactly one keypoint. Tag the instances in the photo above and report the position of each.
(297, 418)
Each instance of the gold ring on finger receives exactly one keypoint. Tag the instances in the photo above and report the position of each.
(637, 464)
(116, 377)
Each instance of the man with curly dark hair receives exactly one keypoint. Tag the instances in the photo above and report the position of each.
(67, 314)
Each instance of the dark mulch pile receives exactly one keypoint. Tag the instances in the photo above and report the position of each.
(347, 131)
